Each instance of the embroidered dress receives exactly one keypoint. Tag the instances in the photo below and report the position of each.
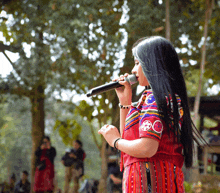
(161, 173)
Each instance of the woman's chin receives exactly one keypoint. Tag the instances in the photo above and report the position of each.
(142, 84)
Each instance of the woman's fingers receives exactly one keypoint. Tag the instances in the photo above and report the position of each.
(103, 129)
(110, 133)
(121, 77)
(124, 93)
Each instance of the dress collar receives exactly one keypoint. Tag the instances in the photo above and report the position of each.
(140, 102)
(148, 91)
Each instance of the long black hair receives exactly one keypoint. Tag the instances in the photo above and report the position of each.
(160, 64)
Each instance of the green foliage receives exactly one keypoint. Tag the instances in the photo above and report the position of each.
(84, 110)
(192, 81)
(188, 187)
(15, 140)
(191, 24)
(69, 130)
(209, 123)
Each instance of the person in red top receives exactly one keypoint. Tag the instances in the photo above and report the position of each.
(155, 136)
(44, 174)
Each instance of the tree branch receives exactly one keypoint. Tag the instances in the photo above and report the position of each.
(5, 88)
(9, 48)
(14, 67)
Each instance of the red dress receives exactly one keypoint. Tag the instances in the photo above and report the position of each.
(44, 178)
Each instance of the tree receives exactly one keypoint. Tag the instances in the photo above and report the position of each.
(59, 33)
(208, 13)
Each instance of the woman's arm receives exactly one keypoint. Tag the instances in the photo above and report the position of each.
(140, 148)
(125, 97)
(115, 179)
(38, 152)
(51, 153)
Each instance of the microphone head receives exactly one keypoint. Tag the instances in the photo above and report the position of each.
(89, 94)
(131, 79)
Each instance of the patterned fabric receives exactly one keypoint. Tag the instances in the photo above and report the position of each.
(143, 120)
(153, 177)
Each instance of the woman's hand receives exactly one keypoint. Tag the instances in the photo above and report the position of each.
(48, 146)
(43, 146)
(110, 133)
(124, 93)
(72, 155)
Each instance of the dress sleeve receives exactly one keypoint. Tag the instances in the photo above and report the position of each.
(151, 125)
(38, 152)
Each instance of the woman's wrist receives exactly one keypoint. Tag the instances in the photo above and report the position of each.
(125, 102)
(116, 143)
(124, 106)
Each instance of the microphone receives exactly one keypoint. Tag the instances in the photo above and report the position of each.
(131, 79)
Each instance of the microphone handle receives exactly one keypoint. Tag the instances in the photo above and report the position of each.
(103, 88)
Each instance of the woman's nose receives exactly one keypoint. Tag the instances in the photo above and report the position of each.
(134, 70)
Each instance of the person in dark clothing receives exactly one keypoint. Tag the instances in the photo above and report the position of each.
(44, 173)
(89, 186)
(23, 185)
(74, 166)
(114, 181)
(215, 139)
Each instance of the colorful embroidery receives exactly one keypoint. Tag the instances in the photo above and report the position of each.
(150, 99)
(146, 125)
(158, 126)
(153, 177)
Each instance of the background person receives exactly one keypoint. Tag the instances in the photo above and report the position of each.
(214, 140)
(156, 132)
(74, 166)
(44, 174)
(9, 187)
(114, 181)
(23, 185)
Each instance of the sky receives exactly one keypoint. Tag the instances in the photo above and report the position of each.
(5, 66)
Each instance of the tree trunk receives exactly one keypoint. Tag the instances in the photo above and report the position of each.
(37, 111)
(208, 12)
(102, 188)
(209, 6)
(168, 19)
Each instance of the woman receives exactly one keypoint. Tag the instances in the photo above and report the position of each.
(156, 132)
(44, 173)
